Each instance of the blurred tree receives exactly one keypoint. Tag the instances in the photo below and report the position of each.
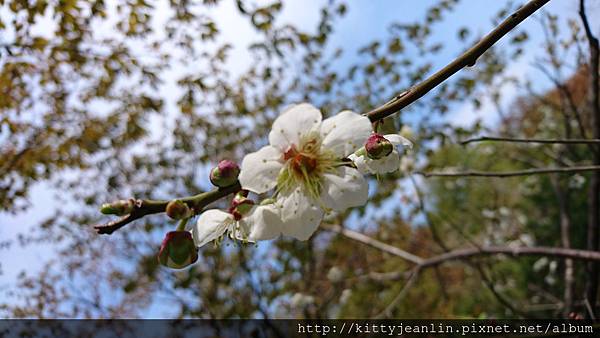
(132, 98)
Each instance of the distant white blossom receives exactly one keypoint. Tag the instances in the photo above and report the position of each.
(335, 274)
(345, 297)
(300, 300)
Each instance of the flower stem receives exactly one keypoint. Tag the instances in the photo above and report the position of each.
(182, 223)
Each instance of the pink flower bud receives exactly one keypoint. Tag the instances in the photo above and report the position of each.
(240, 205)
(378, 147)
(224, 174)
(177, 209)
(178, 250)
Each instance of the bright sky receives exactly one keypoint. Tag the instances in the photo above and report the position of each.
(364, 20)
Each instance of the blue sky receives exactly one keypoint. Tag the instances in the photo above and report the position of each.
(364, 21)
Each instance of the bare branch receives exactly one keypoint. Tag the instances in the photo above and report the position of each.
(357, 236)
(467, 59)
(148, 207)
(469, 253)
(112, 226)
(526, 172)
(530, 140)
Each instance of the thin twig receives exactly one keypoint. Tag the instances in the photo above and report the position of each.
(387, 312)
(460, 254)
(590, 310)
(357, 236)
(467, 59)
(526, 172)
(421, 205)
(531, 140)
(567, 102)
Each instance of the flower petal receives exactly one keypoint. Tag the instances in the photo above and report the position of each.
(264, 223)
(348, 188)
(260, 170)
(361, 163)
(210, 225)
(387, 164)
(300, 216)
(396, 139)
(295, 121)
(345, 132)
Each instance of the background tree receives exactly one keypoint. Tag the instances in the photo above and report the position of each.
(120, 99)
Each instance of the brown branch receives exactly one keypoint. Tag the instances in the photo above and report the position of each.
(148, 207)
(357, 236)
(584, 255)
(526, 172)
(468, 253)
(593, 227)
(467, 59)
(458, 254)
(531, 140)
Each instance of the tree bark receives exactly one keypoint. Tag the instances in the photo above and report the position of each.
(591, 289)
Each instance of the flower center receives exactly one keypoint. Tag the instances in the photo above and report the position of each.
(300, 162)
(305, 165)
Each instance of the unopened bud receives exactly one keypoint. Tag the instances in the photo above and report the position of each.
(378, 147)
(224, 174)
(119, 208)
(178, 250)
(177, 209)
(240, 205)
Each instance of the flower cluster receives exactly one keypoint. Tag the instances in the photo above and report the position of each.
(311, 167)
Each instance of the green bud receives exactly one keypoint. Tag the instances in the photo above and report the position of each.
(177, 209)
(178, 250)
(119, 208)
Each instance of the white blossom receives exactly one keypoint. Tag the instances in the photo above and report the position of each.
(213, 224)
(304, 164)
